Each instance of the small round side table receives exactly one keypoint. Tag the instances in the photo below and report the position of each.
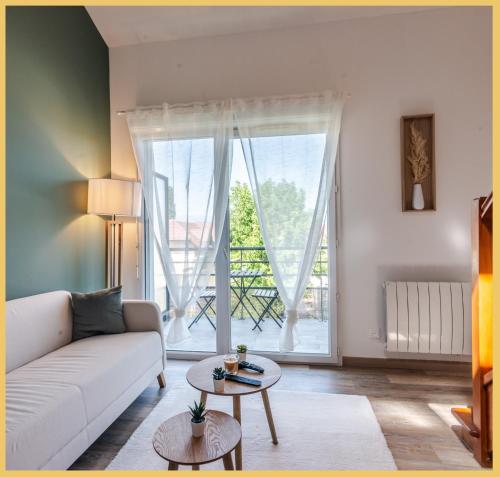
(174, 441)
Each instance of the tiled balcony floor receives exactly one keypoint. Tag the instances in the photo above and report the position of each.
(313, 335)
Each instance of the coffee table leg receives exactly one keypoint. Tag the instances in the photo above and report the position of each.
(237, 415)
(228, 462)
(269, 415)
(173, 466)
(196, 467)
(203, 397)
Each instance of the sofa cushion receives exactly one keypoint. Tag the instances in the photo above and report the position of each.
(102, 367)
(97, 313)
(36, 325)
(36, 409)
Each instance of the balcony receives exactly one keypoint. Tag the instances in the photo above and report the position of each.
(253, 291)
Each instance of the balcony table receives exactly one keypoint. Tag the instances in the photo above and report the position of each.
(242, 290)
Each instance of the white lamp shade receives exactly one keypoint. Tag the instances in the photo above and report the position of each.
(114, 197)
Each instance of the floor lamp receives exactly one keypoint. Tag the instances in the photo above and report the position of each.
(115, 198)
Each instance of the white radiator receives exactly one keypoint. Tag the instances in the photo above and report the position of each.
(428, 317)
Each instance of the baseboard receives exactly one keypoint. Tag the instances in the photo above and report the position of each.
(431, 365)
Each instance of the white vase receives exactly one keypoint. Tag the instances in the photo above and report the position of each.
(418, 197)
(219, 385)
(242, 356)
(198, 428)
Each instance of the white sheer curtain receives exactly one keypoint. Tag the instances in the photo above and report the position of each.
(184, 156)
(290, 146)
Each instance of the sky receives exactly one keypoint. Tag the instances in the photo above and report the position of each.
(289, 154)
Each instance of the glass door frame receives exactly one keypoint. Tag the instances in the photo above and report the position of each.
(223, 287)
(223, 292)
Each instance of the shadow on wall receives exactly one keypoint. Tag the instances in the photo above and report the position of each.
(75, 194)
(417, 273)
(51, 241)
(51, 244)
(57, 138)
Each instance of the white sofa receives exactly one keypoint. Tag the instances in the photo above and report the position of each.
(61, 395)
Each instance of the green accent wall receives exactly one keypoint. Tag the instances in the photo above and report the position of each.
(57, 137)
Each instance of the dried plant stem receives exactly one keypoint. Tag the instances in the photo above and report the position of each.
(417, 158)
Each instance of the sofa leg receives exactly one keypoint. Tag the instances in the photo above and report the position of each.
(161, 380)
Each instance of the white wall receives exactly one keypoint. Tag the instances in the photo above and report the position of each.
(438, 61)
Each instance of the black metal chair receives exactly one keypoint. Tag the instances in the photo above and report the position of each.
(208, 296)
(266, 297)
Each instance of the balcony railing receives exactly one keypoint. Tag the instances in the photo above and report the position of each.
(315, 301)
(314, 305)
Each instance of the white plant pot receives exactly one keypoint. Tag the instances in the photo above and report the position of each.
(418, 197)
(242, 356)
(198, 428)
(219, 385)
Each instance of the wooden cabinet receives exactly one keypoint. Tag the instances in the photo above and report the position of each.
(476, 429)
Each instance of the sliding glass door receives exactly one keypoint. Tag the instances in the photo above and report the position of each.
(257, 312)
(241, 304)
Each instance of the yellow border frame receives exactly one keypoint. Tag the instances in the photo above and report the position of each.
(496, 187)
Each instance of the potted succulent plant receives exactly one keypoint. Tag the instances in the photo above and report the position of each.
(219, 376)
(198, 414)
(241, 349)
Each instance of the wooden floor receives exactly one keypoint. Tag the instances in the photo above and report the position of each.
(412, 407)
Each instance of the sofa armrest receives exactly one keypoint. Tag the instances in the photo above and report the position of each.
(140, 315)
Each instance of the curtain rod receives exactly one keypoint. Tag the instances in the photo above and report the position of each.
(122, 112)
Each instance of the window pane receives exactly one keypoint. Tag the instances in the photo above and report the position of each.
(182, 211)
(257, 313)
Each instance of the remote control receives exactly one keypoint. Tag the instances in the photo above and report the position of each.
(252, 366)
(241, 379)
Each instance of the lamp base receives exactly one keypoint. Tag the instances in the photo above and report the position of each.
(114, 253)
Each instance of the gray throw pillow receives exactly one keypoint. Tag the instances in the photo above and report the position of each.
(97, 313)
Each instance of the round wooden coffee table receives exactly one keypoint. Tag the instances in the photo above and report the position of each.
(200, 377)
(174, 441)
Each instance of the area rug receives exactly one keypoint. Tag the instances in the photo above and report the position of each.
(316, 431)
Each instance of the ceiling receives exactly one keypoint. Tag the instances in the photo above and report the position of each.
(120, 26)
